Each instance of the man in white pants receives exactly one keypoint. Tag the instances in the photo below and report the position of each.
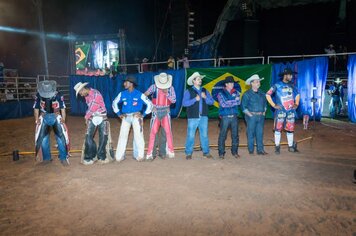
(128, 105)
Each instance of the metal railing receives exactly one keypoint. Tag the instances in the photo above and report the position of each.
(199, 62)
(309, 55)
(153, 66)
(231, 61)
(25, 88)
(18, 88)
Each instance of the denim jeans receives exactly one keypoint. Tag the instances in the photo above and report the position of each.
(202, 124)
(160, 142)
(254, 131)
(227, 122)
(335, 106)
(90, 150)
(50, 120)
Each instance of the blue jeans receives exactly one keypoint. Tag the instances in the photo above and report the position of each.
(254, 131)
(50, 120)
(202, 124)
(227, 122)
(335, 106)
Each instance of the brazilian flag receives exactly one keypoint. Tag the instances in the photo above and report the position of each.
(81, 55)
(240, 74)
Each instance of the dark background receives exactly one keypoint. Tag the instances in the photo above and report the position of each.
(304, 29)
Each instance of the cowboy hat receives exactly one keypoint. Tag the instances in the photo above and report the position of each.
(337, 80)
(79, 87)
(47, 88)
(145, 60)
(229, 79)
(131, 79)
(163, 81)
(193, 76)
(287, 71)
(252, 78)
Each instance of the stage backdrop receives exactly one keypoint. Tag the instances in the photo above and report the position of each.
(351, 88)
(310, 80)
(240, 74)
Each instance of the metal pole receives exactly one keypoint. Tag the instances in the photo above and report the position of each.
(38, 4)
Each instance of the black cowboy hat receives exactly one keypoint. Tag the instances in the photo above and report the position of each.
(287, 71)
(229, 79)
(131, 79)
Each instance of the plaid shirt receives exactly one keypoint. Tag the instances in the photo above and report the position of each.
(171, 96)
(95, 104)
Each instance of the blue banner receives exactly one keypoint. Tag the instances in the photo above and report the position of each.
(351, 88)
(310, 80)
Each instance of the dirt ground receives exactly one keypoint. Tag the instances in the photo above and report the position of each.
(308, 193)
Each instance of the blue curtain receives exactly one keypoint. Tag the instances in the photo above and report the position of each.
(351, 88)
(16, 109)
(110, 88)
(310, 80)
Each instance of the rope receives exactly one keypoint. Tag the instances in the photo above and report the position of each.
(197, 147)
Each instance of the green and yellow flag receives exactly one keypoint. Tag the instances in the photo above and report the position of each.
(240, 74)
(81, 55)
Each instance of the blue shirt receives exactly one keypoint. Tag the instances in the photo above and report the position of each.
(187, 101)
(254, 101)
(228, 102)
(131, 102)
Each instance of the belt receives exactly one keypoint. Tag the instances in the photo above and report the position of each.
(256, 113)
(230, 116)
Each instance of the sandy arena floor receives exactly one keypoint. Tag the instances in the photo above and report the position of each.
(308, 193)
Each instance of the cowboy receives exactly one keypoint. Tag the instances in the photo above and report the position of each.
(128, 105)
(229, 100)
(95, 119)
(50, 111)
(286, 102)
(336, 92)
(254, 106)
(197, 99)
(163, 95)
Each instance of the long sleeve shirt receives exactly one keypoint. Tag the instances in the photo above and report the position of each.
(95, 103)
(254, 101)
(161, 99)
(228, 102)
(188, 101)
(130, 102)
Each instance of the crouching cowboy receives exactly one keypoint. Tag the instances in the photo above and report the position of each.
(50, 111)
(95, 119)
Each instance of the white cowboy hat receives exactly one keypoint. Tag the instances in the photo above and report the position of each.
(163, 80)
(145, 60)
(79, 87)
(252, 78)
(193, 76)
(338, 80)
(47, 88)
